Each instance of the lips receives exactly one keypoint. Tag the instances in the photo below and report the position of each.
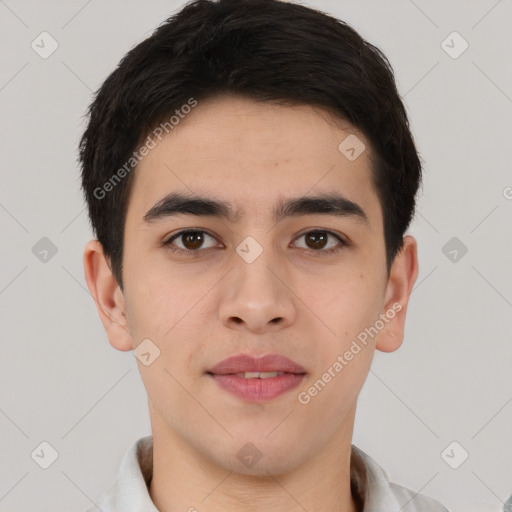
(257, 379)
(249, 366)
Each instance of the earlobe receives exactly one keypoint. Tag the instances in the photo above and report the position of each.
(107, 296)
(403, 274)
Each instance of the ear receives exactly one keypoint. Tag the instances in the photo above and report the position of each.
(402, 277)
(107, 295)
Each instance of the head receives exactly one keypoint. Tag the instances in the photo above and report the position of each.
(258, 120)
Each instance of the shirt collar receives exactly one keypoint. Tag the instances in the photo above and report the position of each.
(130, 490)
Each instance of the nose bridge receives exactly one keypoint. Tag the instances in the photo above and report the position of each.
(253, 267)
(255, 297)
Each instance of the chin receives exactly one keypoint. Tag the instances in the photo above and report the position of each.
(261, 457)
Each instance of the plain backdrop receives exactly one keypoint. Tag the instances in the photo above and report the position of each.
(446, 392)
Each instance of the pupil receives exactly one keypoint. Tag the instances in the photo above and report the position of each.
(318, 238)
(194, 239)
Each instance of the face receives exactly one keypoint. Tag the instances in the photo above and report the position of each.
(262, 279)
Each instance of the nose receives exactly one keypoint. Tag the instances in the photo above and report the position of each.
(257, 297)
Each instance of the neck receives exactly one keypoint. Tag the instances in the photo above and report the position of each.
(186, 479)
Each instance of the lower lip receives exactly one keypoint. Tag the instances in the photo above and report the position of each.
(258, 390)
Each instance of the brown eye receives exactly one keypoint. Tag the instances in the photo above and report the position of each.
(191, 241)
(318, 240)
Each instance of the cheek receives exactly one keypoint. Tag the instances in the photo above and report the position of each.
(349, 309)
(169, 311)
(350, 301)
(157, 301)
(346, 348)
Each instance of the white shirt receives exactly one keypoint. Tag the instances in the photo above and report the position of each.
(129, 491)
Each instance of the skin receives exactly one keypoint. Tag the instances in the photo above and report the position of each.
(203, 308)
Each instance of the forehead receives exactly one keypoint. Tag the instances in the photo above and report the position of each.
(252, 155)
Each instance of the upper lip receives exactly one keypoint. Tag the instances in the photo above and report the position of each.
(246, 363)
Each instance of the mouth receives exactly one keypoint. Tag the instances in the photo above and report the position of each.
(257, 388)
(257, 379)
(262, 365)
(259, 375)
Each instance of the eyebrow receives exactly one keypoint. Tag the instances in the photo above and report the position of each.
(177, 203)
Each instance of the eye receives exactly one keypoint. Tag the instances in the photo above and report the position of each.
(191, 239)
(316, 241)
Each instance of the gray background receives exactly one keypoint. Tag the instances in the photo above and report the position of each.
(61, 382)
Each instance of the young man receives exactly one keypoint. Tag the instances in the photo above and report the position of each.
(250, 175)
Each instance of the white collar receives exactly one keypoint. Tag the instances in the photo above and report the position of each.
(129, 491)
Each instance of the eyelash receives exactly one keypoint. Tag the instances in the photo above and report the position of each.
(319, 252)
